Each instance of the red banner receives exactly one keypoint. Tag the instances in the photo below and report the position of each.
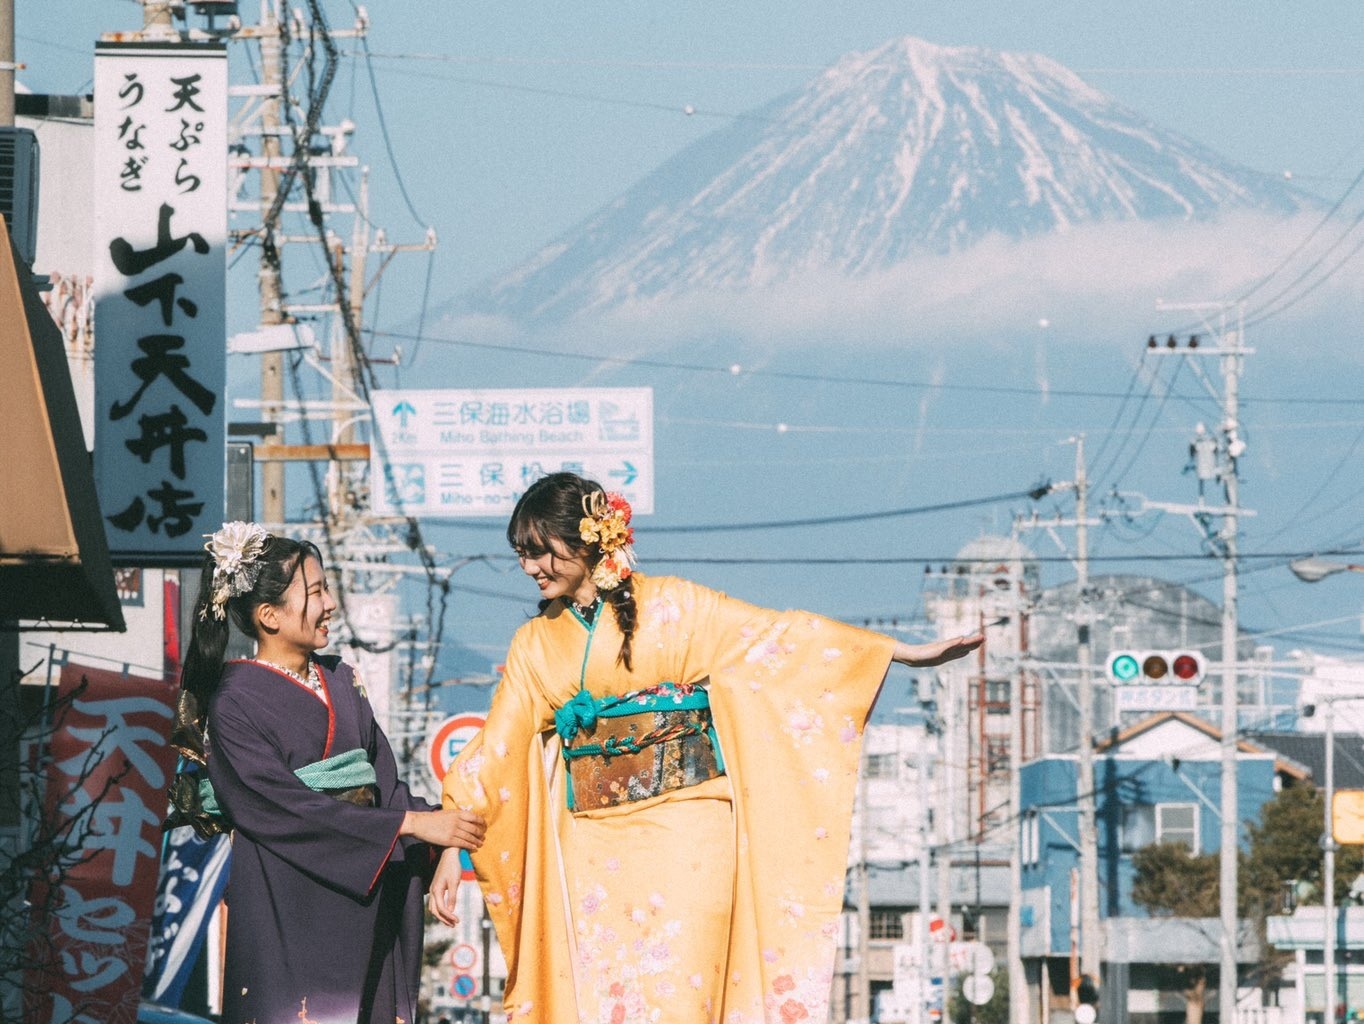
(109, 764)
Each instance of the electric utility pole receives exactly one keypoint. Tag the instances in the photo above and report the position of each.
(1090, 927)
(1091, 939)
(8, 68)
(268, 279)
(1215, 460)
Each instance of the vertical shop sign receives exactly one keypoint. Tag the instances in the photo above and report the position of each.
(109, 765)
(160, 296)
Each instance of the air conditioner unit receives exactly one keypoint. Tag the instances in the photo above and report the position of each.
(19, 188)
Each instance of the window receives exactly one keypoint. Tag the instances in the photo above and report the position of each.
(1030, 839)
(1138, 827)
(880, 766)
(997, 755)
(887, 924)
(1177, 823)
(1144, 824)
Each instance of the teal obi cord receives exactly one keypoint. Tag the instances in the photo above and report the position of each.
(580, 715)
(340, 771)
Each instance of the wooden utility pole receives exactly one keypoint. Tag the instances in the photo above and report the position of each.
(271, 299)
(7, 65)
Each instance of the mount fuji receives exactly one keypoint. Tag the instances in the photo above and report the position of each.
(906, 150)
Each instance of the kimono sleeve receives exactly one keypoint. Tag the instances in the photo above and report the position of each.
(502, 774)
(790, 693)
(722, 637)
(341, 845)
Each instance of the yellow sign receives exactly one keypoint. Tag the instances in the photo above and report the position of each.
(1347, 816)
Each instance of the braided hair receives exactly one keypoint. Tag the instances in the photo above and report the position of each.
(551, 510)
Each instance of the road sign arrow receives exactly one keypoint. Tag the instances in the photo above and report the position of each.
(403, 410)
(628, 474)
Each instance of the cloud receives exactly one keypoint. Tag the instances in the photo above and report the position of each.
(1086, 283)
(1093, 286)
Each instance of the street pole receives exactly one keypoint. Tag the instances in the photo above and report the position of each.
(925, 849)
(1328, 873)
(268, 280)
(945, 834)
(1231, 369)
(156, 17)
(1091, 943)
(863, 1000)
(7, 67)
(1232, 351)
(486, 1002)
(1019, 1011)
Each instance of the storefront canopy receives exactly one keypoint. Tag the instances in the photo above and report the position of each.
(54, 558)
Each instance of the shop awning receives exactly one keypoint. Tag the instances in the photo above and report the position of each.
(54, 558)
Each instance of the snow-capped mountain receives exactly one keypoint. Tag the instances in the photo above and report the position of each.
(907, 149)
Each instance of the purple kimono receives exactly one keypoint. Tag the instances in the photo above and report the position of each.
(324, 916)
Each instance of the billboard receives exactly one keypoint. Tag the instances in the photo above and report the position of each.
(457, 453)
(160, 233)
(110, 761)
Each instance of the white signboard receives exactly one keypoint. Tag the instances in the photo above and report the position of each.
(160, 233)
(474, 452)
(370, 618)
(1155, 698)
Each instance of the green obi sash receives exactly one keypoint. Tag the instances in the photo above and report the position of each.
(338, 775)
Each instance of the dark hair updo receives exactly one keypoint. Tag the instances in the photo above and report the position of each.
(275, 567)
(551, 510)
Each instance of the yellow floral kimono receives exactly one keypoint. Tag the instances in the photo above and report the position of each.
(716, 902)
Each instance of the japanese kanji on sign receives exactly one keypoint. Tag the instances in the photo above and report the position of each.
(105, 795)
(160, 304)
(473, 452)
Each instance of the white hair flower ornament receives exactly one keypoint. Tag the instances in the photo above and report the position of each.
(234, 549)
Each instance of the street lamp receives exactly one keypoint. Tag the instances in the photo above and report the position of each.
(1311, 570)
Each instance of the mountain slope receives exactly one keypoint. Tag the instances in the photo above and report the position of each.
(907, 149)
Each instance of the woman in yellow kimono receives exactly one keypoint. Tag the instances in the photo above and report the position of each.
(667, 776)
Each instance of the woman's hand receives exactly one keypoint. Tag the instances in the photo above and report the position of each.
(445, 887)
(461, 829)
(937, 653)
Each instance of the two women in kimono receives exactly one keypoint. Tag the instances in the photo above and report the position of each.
(331, 853)
(667, 776)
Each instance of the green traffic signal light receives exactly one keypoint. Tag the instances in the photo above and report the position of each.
(1124, 668)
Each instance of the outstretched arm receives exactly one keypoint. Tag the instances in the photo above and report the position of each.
(938, 652)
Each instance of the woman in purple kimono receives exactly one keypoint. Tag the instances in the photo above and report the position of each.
(331, 853)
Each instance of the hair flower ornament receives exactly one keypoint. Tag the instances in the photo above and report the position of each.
(234, 549)
(606, 523)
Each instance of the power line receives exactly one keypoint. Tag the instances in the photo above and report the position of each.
(737, 370)
(388, 142)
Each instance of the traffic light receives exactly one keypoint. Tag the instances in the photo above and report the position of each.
(1156, 668)
(1086, 1000)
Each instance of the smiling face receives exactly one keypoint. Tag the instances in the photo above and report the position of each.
(298, 625)
(558, 572)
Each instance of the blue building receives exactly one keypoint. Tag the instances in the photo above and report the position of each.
(1157, 781)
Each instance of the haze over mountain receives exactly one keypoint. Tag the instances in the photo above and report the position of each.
(904, 151)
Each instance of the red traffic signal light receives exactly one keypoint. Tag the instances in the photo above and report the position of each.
(1188, 668)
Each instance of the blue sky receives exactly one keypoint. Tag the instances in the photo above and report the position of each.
(542, 112)
(513, 121)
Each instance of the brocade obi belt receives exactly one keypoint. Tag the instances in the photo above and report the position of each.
(622, 749)
(347, 776)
